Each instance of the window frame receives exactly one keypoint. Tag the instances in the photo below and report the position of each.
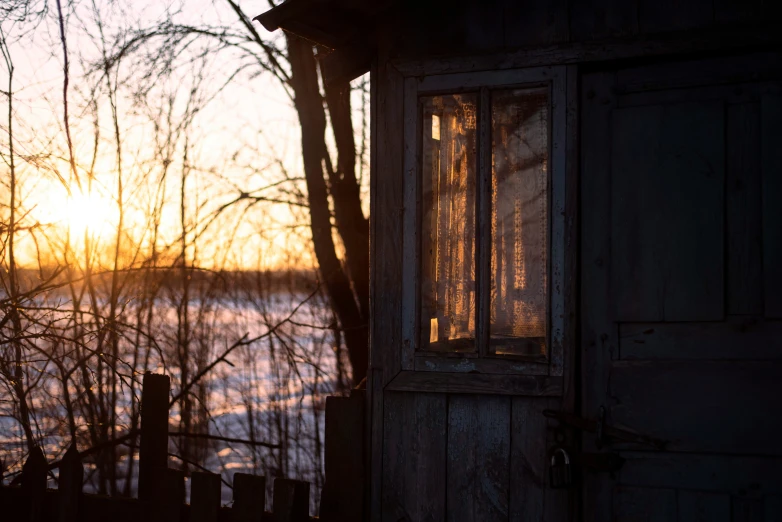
(482, 83)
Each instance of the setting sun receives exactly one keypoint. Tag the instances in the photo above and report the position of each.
(82, 214)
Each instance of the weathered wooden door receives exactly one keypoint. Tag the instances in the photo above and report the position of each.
(682, 288)
(473, 330)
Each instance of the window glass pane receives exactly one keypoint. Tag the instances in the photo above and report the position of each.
(448, 222)
(519, 221)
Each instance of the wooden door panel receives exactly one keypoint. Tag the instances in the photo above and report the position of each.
(713, 406)
(478, 473)
(414, 460)
(681, 294)
(667, 197)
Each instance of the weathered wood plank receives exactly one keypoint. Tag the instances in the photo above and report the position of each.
(344, 459)
(412, 239)
(386, 226)
(249, 497)
(701, 405)
(483, 383)
(291, 501)
(153, 447)
(34, 485)
(744, 211)
(571, 241)
(657, 16)
(374, 430)
(414, 457)
(528, 454)
(709, 473)
(647, 504)
(467, 363)
(747, 510)
(680, 74)
(686, 43)
(771, 137)
(699, 506)
(736, 338)
(204, 496)
(667, 212)
(598, 332)
(478, 457)
(69, 485)
(167, 501)
(535, 23)
(597, 19)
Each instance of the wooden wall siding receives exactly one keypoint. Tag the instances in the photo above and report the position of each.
(745, 338)
(657, 16)
(771, 129)
(478, 473)
(598, 19)
(744, 211)
(646, 504)
(535, 22)
(414, 457)
(701, 506)
(714, 406)
(667, 221)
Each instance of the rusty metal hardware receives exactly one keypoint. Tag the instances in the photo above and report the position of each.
(605, 431)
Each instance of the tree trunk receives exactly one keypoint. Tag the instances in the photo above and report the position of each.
(312, 117)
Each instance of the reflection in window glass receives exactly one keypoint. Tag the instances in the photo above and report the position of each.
(519, 221)
(448, 222)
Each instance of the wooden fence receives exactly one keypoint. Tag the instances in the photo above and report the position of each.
(161, 490)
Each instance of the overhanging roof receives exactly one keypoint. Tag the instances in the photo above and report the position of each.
(331, 23)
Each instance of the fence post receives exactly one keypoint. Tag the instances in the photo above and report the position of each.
(34, 484)
(291, 500)
(249, 498)
(153, 449)
(70, 485)
(342, 497)
(204, 496)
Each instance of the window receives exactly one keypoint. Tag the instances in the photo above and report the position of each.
(485, 187)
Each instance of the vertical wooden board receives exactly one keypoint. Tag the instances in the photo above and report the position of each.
(598, 333)
(647, 504)
(249, 497)
(667, 212)
(535, 22)
(411, 238)
(204, 497)
(478, 473)
(388, 199)
(771, 137)
(483, 26)
(773, 508)
(596, 19)
(528, 455)
(414, 458)
(700, 506)
(674, 15)
(744, 213)
(747, 510)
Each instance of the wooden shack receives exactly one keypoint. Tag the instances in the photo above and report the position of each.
(576, 255)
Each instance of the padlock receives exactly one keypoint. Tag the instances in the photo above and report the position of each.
(560, 474)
